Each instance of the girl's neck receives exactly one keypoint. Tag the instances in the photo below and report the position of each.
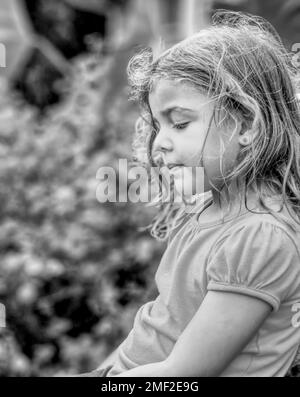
(231, 200)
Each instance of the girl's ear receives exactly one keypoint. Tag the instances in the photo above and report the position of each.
(246, 138)
(246, 134)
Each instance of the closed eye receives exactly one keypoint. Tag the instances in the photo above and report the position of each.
(181, 126)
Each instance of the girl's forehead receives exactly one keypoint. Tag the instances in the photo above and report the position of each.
(168, 93)
(167, 87)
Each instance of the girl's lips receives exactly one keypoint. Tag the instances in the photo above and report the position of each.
(177, 170)
(170, 166)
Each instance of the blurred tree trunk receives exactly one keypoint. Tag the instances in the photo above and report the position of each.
(195, 16)
(16, 36)
(174, 20)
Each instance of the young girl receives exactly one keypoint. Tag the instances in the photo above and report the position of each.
(229, 280)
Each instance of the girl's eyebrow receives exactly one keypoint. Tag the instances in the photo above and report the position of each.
(167, 111)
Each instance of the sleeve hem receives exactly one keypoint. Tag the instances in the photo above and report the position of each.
(244, 290)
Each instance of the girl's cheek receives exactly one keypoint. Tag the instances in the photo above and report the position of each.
(207, 185)
(212, 170)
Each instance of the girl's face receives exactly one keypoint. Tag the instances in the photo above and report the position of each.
(182, 116)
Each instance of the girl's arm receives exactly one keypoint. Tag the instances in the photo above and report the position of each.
(223, 325)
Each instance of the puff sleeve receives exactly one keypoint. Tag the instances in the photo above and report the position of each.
(259, 259)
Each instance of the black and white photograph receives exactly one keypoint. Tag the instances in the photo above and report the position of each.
(149, 191)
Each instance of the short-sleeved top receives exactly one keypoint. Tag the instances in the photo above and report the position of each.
(254, 254)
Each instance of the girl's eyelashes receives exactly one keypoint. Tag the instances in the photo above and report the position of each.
(180, 126)
(177, 126)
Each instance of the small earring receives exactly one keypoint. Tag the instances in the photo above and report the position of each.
(244, 140)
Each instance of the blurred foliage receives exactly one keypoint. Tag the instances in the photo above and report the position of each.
(63, 29)
(73, 271)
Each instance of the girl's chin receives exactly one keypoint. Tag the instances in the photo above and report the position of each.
(188, 181)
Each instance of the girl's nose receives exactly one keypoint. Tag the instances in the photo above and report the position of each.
(162, 142)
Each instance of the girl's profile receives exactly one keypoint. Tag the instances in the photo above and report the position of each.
(225, 99)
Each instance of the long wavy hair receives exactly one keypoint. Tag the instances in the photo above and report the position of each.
(241, 63)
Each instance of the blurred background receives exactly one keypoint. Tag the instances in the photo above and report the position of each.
(73, 272)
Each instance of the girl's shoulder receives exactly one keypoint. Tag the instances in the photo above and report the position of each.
(265, 235)
(267, 227)
(280, 219)
(260, 255)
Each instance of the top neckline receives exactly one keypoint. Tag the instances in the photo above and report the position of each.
(230, 217)
(205, 225)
